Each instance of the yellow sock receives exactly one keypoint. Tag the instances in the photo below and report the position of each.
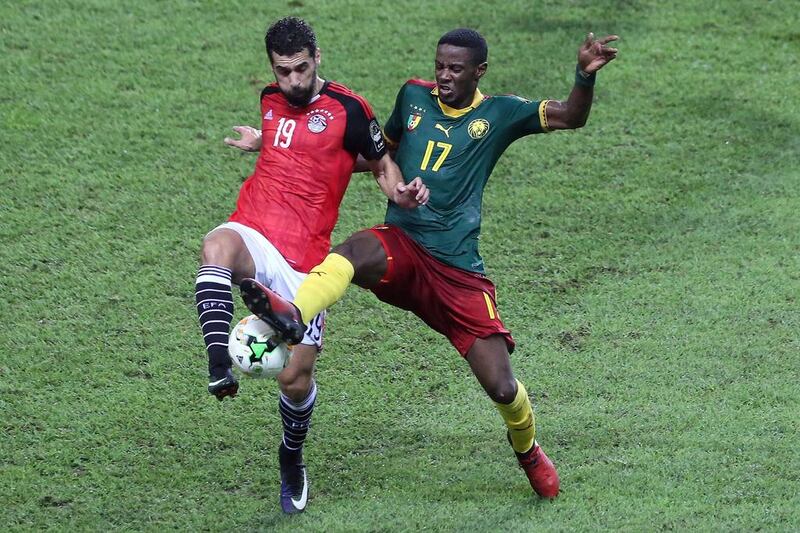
(518, 416)
(324, 286)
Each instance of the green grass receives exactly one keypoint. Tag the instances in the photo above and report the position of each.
(647, 264)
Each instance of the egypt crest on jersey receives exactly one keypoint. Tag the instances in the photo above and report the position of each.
(318, 120)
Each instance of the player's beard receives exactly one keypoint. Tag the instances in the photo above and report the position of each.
(301, 97)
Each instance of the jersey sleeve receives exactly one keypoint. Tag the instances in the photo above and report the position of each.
(525, 117)
(363, 133)
(393, 129)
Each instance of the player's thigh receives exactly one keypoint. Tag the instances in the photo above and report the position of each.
(226, 248)
(489, 360)
(295, 380)
(365, 252)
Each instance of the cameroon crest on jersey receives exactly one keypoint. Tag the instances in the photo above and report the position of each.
(413, 121)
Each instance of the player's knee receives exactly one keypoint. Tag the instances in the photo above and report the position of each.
(350, 249)
(503, 391)
(365, 252)
(215, 251)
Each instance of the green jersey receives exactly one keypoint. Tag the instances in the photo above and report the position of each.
(454, 152)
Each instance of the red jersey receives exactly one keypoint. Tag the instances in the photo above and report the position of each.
(306, 161)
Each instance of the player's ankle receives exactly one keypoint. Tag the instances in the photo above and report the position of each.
(219, 371)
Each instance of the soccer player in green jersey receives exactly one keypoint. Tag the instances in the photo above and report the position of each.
(426, 260)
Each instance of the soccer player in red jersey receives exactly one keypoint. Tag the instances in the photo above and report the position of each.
(427, 260)
(312, 133)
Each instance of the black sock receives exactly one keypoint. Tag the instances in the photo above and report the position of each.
(215, 309)
(296, 418)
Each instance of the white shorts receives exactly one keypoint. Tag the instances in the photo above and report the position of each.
(274, 272)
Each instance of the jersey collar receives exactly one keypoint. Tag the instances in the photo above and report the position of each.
(455, 113)
(317, 96)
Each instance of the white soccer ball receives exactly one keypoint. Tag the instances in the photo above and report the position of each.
(249, 347)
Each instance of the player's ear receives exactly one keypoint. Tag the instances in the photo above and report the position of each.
(318, 56)
(481, 70)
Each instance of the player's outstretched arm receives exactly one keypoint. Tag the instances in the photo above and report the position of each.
(390, 180)
(250, 140)
(593, 55)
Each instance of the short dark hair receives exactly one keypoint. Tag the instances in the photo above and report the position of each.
(289, 36)
(467, 38)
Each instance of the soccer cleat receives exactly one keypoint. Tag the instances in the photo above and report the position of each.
(294, 482)
(267, 305)
(540, 470)
(226, 385)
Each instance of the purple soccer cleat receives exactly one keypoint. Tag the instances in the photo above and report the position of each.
(294, 482)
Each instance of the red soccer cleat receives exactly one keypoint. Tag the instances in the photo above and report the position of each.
(540, 471)
(267, 305)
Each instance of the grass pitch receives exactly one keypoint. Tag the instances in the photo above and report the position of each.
(647, 265)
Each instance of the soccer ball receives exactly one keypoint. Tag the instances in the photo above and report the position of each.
(249, 348)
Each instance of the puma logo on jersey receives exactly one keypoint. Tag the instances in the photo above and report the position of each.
(445, 130)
